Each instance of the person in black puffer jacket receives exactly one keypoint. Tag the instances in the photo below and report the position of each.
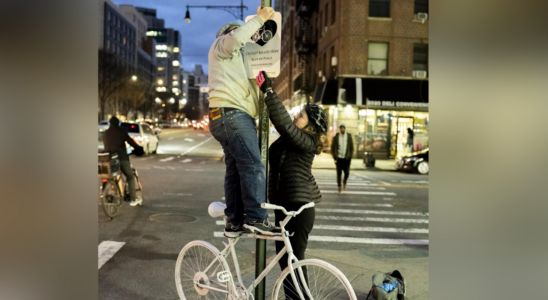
(290, 180)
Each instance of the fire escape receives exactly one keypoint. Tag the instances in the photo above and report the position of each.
(306, 44)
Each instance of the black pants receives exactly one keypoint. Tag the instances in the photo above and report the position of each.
(343, 165)
(301, 226)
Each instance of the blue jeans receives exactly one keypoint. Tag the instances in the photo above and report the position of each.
(245, 187)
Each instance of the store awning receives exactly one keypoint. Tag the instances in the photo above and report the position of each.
(327, 92)
(379, 89)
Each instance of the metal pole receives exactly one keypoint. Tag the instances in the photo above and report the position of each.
(260, 259)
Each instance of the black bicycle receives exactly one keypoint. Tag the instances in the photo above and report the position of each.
(115, 188)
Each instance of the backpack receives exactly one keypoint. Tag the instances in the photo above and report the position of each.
(387, 286)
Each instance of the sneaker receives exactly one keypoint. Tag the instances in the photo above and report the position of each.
(233, 231)
(262, 227)
(339, 190)
(136, 202)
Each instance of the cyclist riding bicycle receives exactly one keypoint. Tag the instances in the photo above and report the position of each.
(114, 139)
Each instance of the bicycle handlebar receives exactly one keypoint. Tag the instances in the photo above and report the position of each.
(293, 213)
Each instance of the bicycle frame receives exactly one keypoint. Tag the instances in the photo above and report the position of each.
(229, 249)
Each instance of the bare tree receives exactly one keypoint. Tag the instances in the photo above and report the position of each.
(113, 75)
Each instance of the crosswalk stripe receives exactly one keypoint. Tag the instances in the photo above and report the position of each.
(338, 239)
(369, 219)
(186, 160)
(370, 187)
(361, 219)
(359, 228)
(359, 193)
(371, 229)
(167, 159)
(356, 204)
(107, 249)
(192, 148)
(348, 184)
(371, 212)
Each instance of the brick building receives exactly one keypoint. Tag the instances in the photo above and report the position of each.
(365, 62)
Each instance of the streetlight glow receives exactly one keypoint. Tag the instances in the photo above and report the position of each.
(171, 100)
(176, 50)
(187, 15)
(134, 78)
(158, 100)
(160, 81)
(183, 101)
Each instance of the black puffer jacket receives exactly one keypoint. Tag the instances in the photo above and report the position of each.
(290, 176)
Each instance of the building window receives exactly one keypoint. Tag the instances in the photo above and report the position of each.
(325, 15)
(379, 8)
(108, 45)
(108, 15)
(333, 11)
(421, 6)
(420, 57)
(320, 32)
(377, 63)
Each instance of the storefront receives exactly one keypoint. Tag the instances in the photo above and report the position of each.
(384, 128)
(378, 113)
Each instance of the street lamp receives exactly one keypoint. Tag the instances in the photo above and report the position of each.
(160, 81)
(158, 100)
(171, 100)
(134, 78)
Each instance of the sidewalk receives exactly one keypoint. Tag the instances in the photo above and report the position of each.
(360, 265)
(325, 161)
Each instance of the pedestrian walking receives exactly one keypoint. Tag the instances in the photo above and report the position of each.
(290, 180)
(233, 108)
(342, 149)
(410, 139)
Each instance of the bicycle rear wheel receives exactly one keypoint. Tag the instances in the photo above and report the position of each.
(324, 281)
(190, 269)
(111, 200)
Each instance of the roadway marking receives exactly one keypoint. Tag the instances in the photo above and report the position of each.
(186, 160)
(358, 193)
(161, 168)
(384, 220)
(357, 204)
(167, 159)
(411, 181)
(371, 212)
(367, 177)
(107, 249)
(371, 229)
(387, 199)
(171, 168)
(337, 239)
(177, 194)
(404, 185)
(348, 184)
(184, 153)
(201, 134)
(197, 170)
(189, 140)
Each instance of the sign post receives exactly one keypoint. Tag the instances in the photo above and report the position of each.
(262, 52)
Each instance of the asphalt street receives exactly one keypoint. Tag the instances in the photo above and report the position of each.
(380, 223)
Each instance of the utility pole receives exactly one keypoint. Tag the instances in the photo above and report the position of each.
(260, 259)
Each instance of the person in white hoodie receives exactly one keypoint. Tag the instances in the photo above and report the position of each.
(233, 108)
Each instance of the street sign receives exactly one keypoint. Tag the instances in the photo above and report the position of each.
(262, 51)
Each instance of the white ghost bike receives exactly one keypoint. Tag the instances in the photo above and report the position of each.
(202, 271)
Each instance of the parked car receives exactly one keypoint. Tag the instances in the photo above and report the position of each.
(143, 136)
(157, 130)
(414, 162)
(103, 126)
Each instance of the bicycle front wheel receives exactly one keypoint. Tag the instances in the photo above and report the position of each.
(196, 272)
(111, 200)
(323, 281)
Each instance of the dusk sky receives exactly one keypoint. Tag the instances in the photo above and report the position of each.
(198, 35)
